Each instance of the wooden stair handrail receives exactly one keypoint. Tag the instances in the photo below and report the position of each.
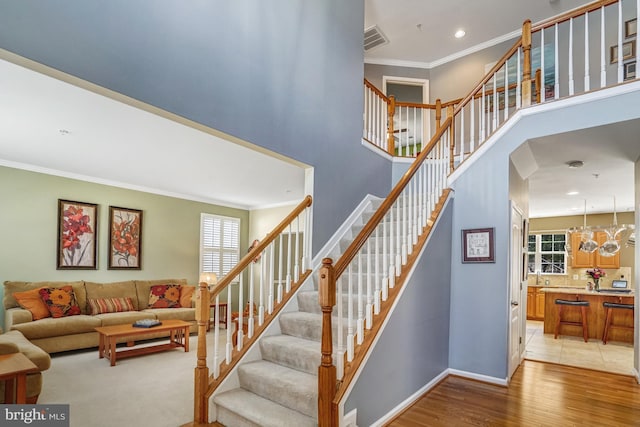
(377, 91)
(256, 251)
(572, 14)
(348, 255)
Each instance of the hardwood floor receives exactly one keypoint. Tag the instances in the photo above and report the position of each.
(540, 394)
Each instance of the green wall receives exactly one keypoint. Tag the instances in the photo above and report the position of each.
(28, 229)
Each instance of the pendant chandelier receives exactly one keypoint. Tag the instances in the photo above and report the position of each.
(615, 234)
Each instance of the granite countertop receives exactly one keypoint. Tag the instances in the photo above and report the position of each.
(583, 291)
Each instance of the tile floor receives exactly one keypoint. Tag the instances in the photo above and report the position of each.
(613, 357)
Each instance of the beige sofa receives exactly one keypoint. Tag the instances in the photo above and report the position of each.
(78, 332)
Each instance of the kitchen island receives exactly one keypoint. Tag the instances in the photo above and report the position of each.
(596, 313)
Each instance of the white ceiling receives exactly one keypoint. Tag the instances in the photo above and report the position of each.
(113, 143)
(421, 34)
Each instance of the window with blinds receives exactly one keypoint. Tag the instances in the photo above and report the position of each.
(219, 244)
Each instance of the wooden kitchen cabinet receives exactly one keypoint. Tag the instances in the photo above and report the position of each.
(539, 313)
(602, 261)
(535, 304)
(581, 259)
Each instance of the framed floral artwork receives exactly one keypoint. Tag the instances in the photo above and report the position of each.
(125, 238)
(77, 235)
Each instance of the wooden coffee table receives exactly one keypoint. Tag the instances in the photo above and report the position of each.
(178, 337)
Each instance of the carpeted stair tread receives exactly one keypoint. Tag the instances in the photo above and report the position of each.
(291, 388)
(307, 325)
(240, 408)
(294, 352)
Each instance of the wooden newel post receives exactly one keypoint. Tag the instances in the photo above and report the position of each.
(526, 63)
(327, 379)
(391, 111)
(200, 404)
(438, 113)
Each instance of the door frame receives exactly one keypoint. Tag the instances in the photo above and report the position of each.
(410, 81)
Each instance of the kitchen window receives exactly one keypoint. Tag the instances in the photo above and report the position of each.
(546, 253)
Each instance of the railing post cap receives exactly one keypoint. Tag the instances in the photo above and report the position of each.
(327, 261)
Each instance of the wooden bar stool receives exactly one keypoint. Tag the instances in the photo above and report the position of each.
(608, 323)
(560, 304)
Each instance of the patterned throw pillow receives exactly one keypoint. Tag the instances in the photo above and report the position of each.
(30, 300)
(61, 302)
(164, 296)
(110, 305)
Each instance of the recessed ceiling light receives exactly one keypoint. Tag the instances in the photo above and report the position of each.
(459, 34)
(572, 193)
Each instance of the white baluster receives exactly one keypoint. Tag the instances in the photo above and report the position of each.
(483, 115)
(494, 114)
(506, 91)
(240, 334)
(216, 338)
(250, 316)
(376, 277)
(557, 66)
(350, 343)
(369, 307)
(263, 275)
(398, 238)
(271, 278)
(360, 322)
(385, 261)
(472, 127)
(518, 80)
(280, 261)
(392, 254)
(620, 30)
(404, 227)
(306, 258)
(587, 77)
(296, 268)
(543, 94)
(229, 345)
(571, 57)
(603, 50)
(289, 249)
(340, 349)
(461, 155)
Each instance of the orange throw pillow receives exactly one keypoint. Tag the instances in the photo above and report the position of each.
(186, 295)
(30, 300)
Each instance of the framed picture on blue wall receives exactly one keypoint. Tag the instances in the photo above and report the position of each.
(478, 245)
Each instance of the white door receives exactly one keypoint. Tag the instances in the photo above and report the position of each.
(515, 283)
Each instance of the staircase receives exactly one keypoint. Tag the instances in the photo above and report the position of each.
(281, 388)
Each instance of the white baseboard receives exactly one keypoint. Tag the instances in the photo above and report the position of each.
(636, 374)
(480, 377)
(411, 399)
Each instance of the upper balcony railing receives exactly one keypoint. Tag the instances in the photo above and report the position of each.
(587, 49)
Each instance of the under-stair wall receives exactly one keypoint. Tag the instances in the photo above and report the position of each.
(413, 348)
(479, 292)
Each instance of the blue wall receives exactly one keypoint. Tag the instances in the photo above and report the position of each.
(283, 74)
(413, 348)
(479, 292)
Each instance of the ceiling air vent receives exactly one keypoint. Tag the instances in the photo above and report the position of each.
(373, 37)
